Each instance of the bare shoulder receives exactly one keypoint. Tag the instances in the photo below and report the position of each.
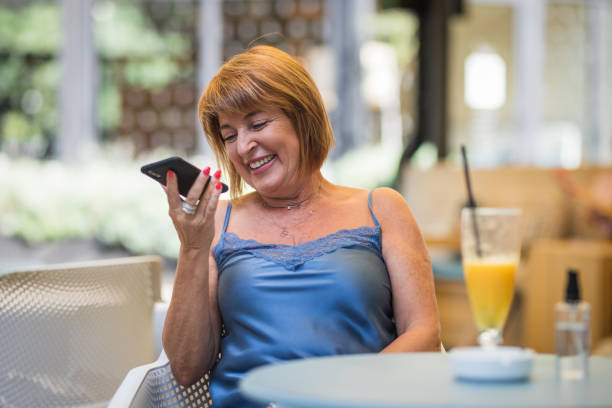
(243, 204)
(242, 210)
(387, 202)
(349, 195)
(393, 212)
(400, 230)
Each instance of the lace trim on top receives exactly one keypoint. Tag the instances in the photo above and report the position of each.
(292, 257)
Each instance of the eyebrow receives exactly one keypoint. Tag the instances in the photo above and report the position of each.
(247, 116)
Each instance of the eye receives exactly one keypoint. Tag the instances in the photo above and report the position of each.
(260, 125)
(229, 138)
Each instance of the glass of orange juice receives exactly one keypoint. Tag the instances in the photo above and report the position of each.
(490, 252)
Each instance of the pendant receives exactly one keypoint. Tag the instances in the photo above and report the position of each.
(284, 233)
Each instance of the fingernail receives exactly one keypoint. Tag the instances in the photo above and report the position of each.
(206, 170)
(218, 185)
(170, 174)
(218, 174)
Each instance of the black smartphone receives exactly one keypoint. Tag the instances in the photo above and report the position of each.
(186, 173)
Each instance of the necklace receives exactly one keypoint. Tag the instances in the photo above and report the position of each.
(284, 231)
(296, 219)
(289, 206)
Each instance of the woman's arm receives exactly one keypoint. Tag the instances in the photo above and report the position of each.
(414, 302)
(192, 330)
(592, 198)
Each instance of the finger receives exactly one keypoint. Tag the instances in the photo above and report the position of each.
(213, 200)
(210, 191)
(196, 190)
(174, 200)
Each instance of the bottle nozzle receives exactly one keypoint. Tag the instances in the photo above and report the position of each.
(572, 291)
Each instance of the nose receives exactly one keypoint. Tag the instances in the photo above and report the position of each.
(246, 143)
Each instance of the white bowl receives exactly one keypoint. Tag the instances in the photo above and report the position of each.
(493, 364)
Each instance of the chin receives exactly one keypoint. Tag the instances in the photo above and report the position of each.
(264, 185)
(268, 189)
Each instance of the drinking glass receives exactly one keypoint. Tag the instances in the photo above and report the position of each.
(490, 252)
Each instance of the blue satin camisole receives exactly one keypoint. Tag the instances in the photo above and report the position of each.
(279, 302)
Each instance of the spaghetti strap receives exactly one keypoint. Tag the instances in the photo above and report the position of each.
(227, 215)
(371, 210)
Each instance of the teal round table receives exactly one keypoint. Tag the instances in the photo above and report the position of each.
(418, 380)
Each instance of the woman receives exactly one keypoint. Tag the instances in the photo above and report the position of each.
(298, 267)
(596, 198)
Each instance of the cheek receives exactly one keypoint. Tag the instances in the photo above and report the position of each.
(232, 154)
(235, 160)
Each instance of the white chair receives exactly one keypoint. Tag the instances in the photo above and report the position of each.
(69, 333)
(154, 386)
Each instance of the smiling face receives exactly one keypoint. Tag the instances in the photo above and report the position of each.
(264, 148)
(265, 76)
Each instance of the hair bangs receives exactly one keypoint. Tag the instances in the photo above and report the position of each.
(240, 93)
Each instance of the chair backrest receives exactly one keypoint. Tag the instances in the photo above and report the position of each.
(69, 333)
(157, 388)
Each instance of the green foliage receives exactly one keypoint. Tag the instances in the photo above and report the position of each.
(398, 28)
(9, 75)
(123, 31)
(151, 73)
(130, 48)
(15, 126)
(28, 83)
(109, 106)
(34, 29)
(367, 167)
(46, 75)
(148, 57)
(39, 32)
(106, 198)
(8, 28)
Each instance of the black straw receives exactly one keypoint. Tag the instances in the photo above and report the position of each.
(471, 201)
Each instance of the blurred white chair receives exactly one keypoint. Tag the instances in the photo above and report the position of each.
(69, 333)
(154, 386)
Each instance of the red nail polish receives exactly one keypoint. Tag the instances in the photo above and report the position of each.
(217, 173)
(170, 174)
(206, 170)
(218, 185)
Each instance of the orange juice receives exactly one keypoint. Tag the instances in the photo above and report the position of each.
(490, 286)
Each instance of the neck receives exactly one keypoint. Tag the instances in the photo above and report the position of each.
(303, 195)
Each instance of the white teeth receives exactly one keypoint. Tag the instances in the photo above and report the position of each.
(261, 162)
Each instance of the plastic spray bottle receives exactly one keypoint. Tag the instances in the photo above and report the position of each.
(572, 325)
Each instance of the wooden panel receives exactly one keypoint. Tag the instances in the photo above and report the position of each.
(456, 322)
(546, 279)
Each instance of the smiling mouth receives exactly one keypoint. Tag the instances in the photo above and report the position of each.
(257, 164)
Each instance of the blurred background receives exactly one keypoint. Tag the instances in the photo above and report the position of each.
(90, 90)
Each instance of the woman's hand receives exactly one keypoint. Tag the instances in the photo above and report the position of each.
(195, 231)
(192, 327)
